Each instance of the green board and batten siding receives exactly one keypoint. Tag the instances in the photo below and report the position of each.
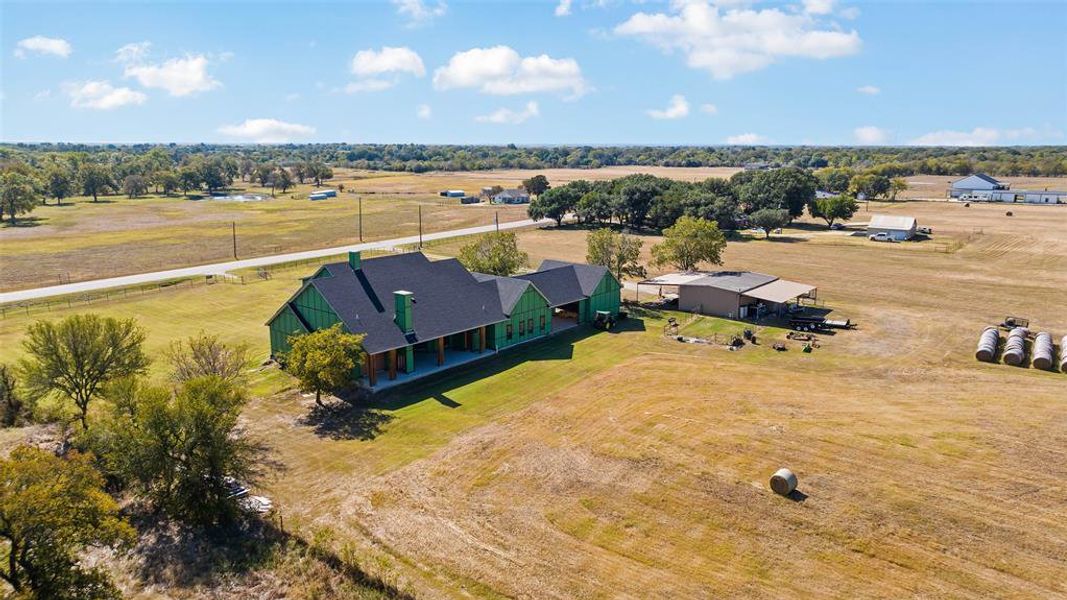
(283, 326)
(530, 306)
(607, 296)
(309, 305)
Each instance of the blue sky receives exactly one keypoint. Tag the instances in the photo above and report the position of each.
(584, 71)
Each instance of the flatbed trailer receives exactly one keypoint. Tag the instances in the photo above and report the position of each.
(818, 323)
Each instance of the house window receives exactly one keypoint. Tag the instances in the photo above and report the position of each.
(542, 322)
(508, 330)
(529, 325)
(522, 328)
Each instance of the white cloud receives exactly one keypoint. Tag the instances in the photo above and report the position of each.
(501, 71)
(418, 12)
(40, 44)
(849, 13)
(731, 41)
(369, 85)
(367, 63)
(563, 8)
(676, 109)
(267, 131)
(292, 97)
(710, 109)
(746, 139)
(984, 136)
(870, 90)
(43, 94)
(101, 95)
(818, 7)
(510, 117)
(869, 135)
(133, 53)
(423, 111)
(178, 76)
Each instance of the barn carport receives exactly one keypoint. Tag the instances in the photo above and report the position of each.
(775, 297)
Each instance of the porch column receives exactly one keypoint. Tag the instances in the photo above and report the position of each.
(440, 351)
(372, 373)
(392, 364)
(481, 339)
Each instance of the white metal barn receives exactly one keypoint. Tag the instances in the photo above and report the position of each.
(898, 228)
(1028, 196)
(979, 182)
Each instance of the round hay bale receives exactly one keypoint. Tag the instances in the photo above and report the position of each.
(1015, 347)
(783, 482)
(987, 344)
(1043, 354)
(1063, 354)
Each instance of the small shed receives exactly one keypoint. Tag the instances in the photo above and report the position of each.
(899, 228)
(453, 193)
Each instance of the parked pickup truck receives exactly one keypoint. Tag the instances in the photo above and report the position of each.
(880, 237)
(925, 230)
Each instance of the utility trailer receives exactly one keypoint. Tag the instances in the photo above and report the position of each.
(799, 323)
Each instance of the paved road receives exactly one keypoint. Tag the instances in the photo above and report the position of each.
(262, 261)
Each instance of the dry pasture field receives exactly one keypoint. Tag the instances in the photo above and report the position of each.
(629, 465)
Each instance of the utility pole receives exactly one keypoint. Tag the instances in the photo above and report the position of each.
(361, 218)
(233, 229)
(420, 227)
(496, 219)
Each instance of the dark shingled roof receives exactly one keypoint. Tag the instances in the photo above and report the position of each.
(447, 299)
(564, 282)
(589, 276)
(508, 288)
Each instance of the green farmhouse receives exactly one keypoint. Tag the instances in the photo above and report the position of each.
(422, 316)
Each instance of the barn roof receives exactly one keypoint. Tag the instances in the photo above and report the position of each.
(894, 222)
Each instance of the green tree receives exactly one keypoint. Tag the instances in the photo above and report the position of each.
(791, 188)
(896, 186)
(18, 195)
(60, 183)
(169, 181)
(282, 179)
(12, 408)
(189, 179)
(770, 219)
(636, 195)
(554, 204)
(181, 449)
(96, 179)
(834, 208)
(51, 510)
(834, 179)
(688, 243)
(594, 207)
(324, 360)
(870, 185)
(78, 355)
(536, 185)
(134, 186)
(494, 253)
(619, 252)
(204, 355)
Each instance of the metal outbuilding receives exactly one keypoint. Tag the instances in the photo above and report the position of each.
(733, 294)
(899, 228)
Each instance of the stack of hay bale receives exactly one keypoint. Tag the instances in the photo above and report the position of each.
(1015, 347)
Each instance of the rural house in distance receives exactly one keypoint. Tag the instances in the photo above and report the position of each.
(423, 316)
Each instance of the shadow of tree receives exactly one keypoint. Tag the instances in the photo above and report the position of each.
(346, 421)
(178, 556)
(22, 222)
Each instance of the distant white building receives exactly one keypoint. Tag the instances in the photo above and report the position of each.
(979, 182)
(1028, 196)
(512, 197)
(898, 228)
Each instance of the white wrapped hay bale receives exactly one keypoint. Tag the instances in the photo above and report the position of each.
(783, 482)
(1015, 347)
(1063, 354)
(1042, 358)
(987, 344)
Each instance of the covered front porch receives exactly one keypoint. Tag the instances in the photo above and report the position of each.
(398, 365)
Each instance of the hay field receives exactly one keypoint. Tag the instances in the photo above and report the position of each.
(628, 465)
